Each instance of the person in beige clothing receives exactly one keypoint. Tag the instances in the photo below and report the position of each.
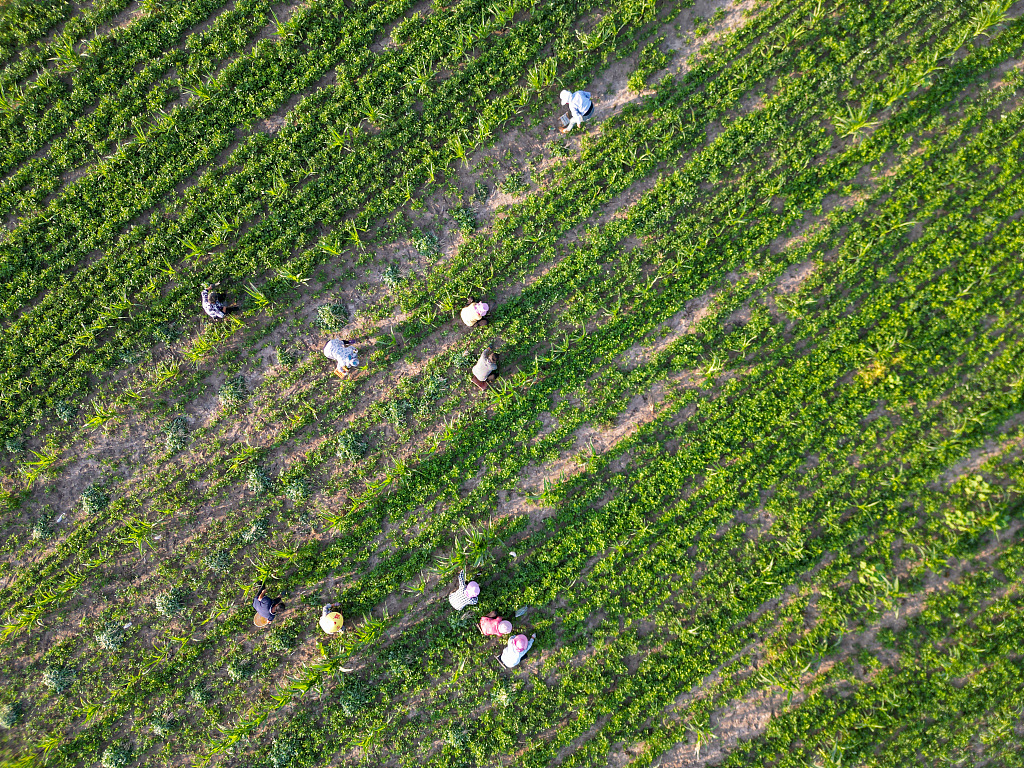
(486, 369)
(473, 313)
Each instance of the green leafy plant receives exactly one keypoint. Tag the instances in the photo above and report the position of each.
(297, 489)
(331, 317)
(350, 446)
(116, 756)
(240, 669)
(176, 434)
(233, 392)
(10, 714)
(258, 481)
(41, 530)
(94, 500)
(172, 602)
(58, 678)
(111, 637)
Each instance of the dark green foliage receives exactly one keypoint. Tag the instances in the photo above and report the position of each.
(41, 530)
(219, 561)
(111, 637)
(426, 244)
(464, 218)
(350, 446)
(258, 530)
(297, 489)
(259, 481)
(10, 714)
(65, 411)
(331, 317)
(164, 726)
(116, 756)
(233, 392)
(172, 602)
(176, 434)
(94, 499)
(353, 696)
(240, 669)
(58, 678)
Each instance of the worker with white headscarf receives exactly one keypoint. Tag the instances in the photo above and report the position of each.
(581, 108)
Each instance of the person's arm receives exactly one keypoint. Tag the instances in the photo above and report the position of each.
(326, 610)
(530, 644)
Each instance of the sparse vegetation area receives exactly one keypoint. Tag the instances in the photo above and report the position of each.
(752, 468)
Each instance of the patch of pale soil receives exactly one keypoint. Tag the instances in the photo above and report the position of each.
(682, 322)
(977, 457)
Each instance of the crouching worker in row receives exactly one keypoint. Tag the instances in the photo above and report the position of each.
(330, 620)
(474, 313)
(486, 369)
(516, 649)
(342, 352)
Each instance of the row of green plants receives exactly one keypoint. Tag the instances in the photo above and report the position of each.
(751, 361)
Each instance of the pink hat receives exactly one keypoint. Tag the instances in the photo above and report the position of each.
(519, 642)
(505, 627)
(481, 308)
(473, 589)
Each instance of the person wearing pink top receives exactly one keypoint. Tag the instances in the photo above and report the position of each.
(516, 649)
(495, 625)
(473, 313)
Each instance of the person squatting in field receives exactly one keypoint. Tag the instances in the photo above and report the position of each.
(473, 313)
(265, 606)
(581, 108)
(212, 305)
(341, 351)
(495, 625)
(466, 594)
(486, 369)
(516, 649)
(331, 621)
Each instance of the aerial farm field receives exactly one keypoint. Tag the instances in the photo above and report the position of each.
(752, 468)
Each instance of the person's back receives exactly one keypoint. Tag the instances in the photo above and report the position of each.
(343, 354)
(473, 313)
(211, 306)
(580, 108)
(466, 594)
(495, 625)
(486, 365)
(515, 650)
(265, 606)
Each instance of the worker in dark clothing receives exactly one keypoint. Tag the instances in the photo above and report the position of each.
(266, 607)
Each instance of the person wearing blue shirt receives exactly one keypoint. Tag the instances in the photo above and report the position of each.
(266, 607)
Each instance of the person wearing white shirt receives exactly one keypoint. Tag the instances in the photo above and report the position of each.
(581, 108)
(466, 594)
(516, 649)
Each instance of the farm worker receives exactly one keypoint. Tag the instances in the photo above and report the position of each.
(474, 312)
(266, 607)
(211, 304)
(466, 594)
(495, 625)
(581, 108)
(343, 354)
(516, 649)
(486, 369)
(331, 621)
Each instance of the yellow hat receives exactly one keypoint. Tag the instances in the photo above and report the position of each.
(331, 623)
